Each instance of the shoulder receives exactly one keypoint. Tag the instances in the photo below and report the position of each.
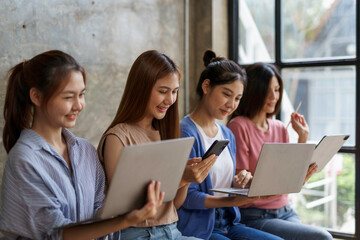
(121, 128)
(188, 126)
(275, 123)
(240, 123)
(226, 131)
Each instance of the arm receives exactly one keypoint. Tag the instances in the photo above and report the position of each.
(237, 200)
(98, 229)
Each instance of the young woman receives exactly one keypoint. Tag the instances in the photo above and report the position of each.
(52, 178)
(252, 126)
(205, 214)
(148, 112)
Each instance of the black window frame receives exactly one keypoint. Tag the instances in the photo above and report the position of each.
(233, 12)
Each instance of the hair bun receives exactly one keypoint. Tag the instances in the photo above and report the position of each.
(208, 56)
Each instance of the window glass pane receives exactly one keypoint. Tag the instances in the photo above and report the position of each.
(328, 199)
(256, 31)
(314, 29)
(328, 100)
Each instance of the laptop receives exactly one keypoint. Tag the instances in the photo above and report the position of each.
(327, 148)
(163, 161)
(281, 169)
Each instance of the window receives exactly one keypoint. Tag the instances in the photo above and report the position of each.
(315, 44)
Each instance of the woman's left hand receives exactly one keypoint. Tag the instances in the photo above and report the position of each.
(242, 179)
(300, 126)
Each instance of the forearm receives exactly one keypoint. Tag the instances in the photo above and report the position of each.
(96, 230)
(181, 194)
(218, 202)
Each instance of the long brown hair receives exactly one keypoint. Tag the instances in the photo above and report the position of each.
(145, 71)
(45, 72)
(259, 77)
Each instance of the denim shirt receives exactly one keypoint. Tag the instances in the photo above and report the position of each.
(39, 193)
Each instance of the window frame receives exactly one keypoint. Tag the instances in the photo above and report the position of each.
(233, 11)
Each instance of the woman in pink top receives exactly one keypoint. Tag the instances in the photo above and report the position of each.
(252, 125)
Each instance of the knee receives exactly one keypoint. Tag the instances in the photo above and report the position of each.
(324, 235)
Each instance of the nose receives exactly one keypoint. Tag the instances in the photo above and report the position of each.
(231, 103)
(271, 94)
(170, 99)
(78, 104)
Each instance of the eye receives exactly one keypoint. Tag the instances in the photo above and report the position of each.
(226, 94)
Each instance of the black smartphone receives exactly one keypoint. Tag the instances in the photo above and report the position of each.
(216, 148)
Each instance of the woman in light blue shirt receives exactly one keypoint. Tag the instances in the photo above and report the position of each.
(52, 178)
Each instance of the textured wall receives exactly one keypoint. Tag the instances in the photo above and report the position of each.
(104, 36)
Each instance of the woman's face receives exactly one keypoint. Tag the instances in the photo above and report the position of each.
(272, 96)
(163, 94)
(65, 106)
(222, 100)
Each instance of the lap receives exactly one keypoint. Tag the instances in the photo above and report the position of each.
(284, 223)
(242, 232)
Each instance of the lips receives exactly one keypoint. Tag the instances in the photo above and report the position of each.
(224, 112)
(71, 117)
(162, 109)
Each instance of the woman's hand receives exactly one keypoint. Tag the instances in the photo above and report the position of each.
(197, 169)
(300, 126)
(242, 179)
(154, 200)
(311, 170)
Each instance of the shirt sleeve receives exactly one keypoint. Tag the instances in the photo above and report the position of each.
(195, 198)
(29, 209)
(242, 147)
(100, 185)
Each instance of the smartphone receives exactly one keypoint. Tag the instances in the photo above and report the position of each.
(216, 148)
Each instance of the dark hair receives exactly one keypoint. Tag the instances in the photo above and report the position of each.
(45, 72)
(259, 77)
(219, 71)
(145, 71)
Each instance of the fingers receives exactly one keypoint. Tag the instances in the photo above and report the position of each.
(311, 170)
(194, 161)
(151, 192)
(243, 178)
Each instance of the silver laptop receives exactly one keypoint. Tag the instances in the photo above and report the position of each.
(281, 169)
(163, 161)
(327, 148)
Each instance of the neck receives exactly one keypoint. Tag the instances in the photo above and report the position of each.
(260, 121)
(202, 117)
(146, 123)
(50, 134)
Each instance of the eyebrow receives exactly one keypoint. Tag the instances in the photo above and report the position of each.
(228, 89)
(167, 87)
(72, 92)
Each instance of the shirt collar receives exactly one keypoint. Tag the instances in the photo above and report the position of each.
(32, 139)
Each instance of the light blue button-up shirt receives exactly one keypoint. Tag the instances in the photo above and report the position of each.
(40, 195)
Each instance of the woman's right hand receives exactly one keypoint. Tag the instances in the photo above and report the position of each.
(154, 200)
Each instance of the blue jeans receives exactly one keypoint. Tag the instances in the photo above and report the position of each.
(283, 222)
(169, 231)
(225, 229)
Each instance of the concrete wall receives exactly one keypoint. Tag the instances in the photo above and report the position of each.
(104, 36)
